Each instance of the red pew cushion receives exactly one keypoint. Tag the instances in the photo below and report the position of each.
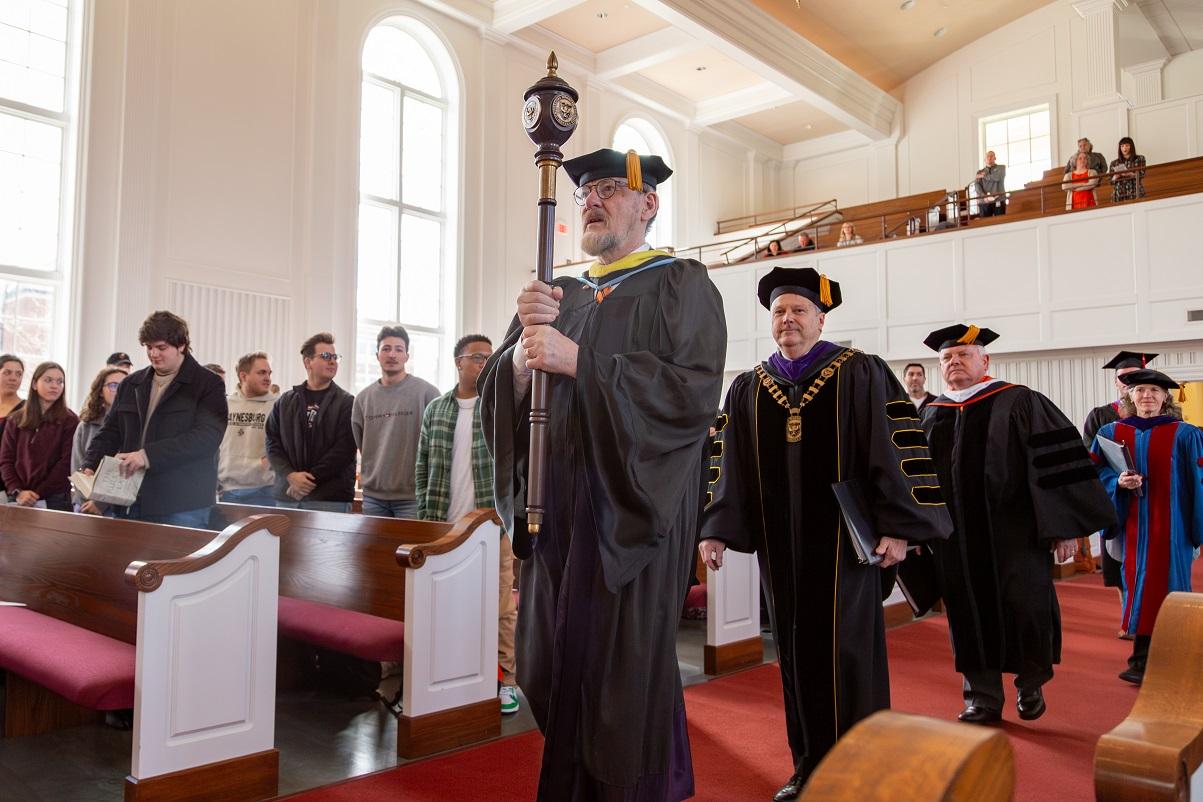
(368, 637)
(82, 666)
(695, 603)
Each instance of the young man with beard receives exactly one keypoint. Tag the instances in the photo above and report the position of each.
(387, 419)
(914, 378)
(244, 474)
(308, 436)
(634, 350)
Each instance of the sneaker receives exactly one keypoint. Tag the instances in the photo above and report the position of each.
(509, 700)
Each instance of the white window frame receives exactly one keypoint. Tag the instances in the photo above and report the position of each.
(666, 231)
(994, 114)
(444, 62)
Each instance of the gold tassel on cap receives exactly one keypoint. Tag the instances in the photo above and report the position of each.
(634, 171)
(824, 290)
(970, 335)
(1182, 394)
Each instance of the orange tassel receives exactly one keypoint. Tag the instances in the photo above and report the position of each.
(634, 171)
(824, 290)
(970, 335)
(1182, 394)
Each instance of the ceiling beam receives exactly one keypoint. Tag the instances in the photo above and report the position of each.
(646, 51)
(740, 103)
(751, 37)
(512, 15)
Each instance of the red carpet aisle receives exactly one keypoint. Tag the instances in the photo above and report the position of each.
(737, 729)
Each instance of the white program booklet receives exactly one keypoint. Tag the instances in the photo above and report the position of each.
(107, 485)
(1115, 454)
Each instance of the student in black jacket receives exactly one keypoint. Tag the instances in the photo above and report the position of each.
(310, 443)
(169, 419)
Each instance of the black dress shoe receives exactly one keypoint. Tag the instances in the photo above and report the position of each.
(790, 790)
(1030, 704)
(1135, 676)
(979, 715)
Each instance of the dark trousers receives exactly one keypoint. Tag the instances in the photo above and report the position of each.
(1140, 653)
(984, 688)
(999, 206)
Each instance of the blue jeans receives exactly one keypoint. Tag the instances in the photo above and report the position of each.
(197, 519)
(254, 496)
(322, 506)
(390, 508)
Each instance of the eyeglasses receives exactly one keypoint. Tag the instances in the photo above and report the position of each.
(329, 357)
(112, 386)
(605, 189)
(479, 359)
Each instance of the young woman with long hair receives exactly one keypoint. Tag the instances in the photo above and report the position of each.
(35, 451)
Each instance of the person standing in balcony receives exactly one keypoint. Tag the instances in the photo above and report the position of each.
(991, 192)
(1127, 173)
(848, 236)
(1079, 184)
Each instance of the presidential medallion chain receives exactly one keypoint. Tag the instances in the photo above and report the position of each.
(793, 423)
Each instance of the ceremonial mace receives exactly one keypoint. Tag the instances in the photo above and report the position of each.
(550, 117)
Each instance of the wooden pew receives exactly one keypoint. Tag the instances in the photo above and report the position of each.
(891, 756)
(177, 623)
(421, 593)
(867, 217)
(1156, 753)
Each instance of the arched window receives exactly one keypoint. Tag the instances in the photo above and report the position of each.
(40, 46)
(408, 203)
(646, 140)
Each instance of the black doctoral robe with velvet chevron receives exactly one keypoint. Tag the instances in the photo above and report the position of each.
(775, 498)
(1017, 479)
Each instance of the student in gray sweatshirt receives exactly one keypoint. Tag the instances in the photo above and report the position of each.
(244, 475)
(386, 420)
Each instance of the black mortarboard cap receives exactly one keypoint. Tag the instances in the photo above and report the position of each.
(608, 163)
(1148, 376)
(804, 281)
(119, 358)
(1129, 359)
(959, 334)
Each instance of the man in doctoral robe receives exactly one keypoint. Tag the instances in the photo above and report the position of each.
(1123, 363)
(634, 350)
(1021, 487)
(811, 415)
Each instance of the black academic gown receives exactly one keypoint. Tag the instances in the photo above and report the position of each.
(1095, 420)
(1017, 479)
(775, 498)
(603, 584)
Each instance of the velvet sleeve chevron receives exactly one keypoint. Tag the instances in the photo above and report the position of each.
(1067, 497)
(732, 497)
(905, 497)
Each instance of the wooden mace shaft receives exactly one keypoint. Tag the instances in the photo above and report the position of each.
(535, 507)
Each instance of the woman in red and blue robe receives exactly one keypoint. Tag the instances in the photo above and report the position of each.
(1159, 503)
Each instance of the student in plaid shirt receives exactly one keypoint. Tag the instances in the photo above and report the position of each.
(455, 476)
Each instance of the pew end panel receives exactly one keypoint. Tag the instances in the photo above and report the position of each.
(204, 707)
(1156, 753)
(945, 762)
(450, 663)
(733, 615)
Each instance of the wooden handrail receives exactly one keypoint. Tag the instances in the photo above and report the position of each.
(415, 555)
(147, 575)
(775, 216)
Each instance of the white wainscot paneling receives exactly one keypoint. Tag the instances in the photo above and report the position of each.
(1163, 132)
(738, 288)
(741, 355)
(859, 287)
(920, 281)
(867, 340)
(1083, 325)
(1167, 316)
(1001, 271)
(1018, 331)
(1092, 258)
(909, 339)
(1174, 263)
(994, 76)
(225, 324)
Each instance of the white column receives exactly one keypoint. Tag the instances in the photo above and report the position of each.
(1146, 82)
(1102, 84)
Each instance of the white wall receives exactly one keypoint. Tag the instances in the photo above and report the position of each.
(1039, 58)
(221, 146)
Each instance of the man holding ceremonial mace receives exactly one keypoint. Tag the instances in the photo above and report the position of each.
(633, 353)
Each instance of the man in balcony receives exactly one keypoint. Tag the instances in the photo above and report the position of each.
(991, 189)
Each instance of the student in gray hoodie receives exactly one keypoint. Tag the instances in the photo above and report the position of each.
(244, 475)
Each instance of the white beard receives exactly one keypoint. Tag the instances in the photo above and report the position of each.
(596, 243)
